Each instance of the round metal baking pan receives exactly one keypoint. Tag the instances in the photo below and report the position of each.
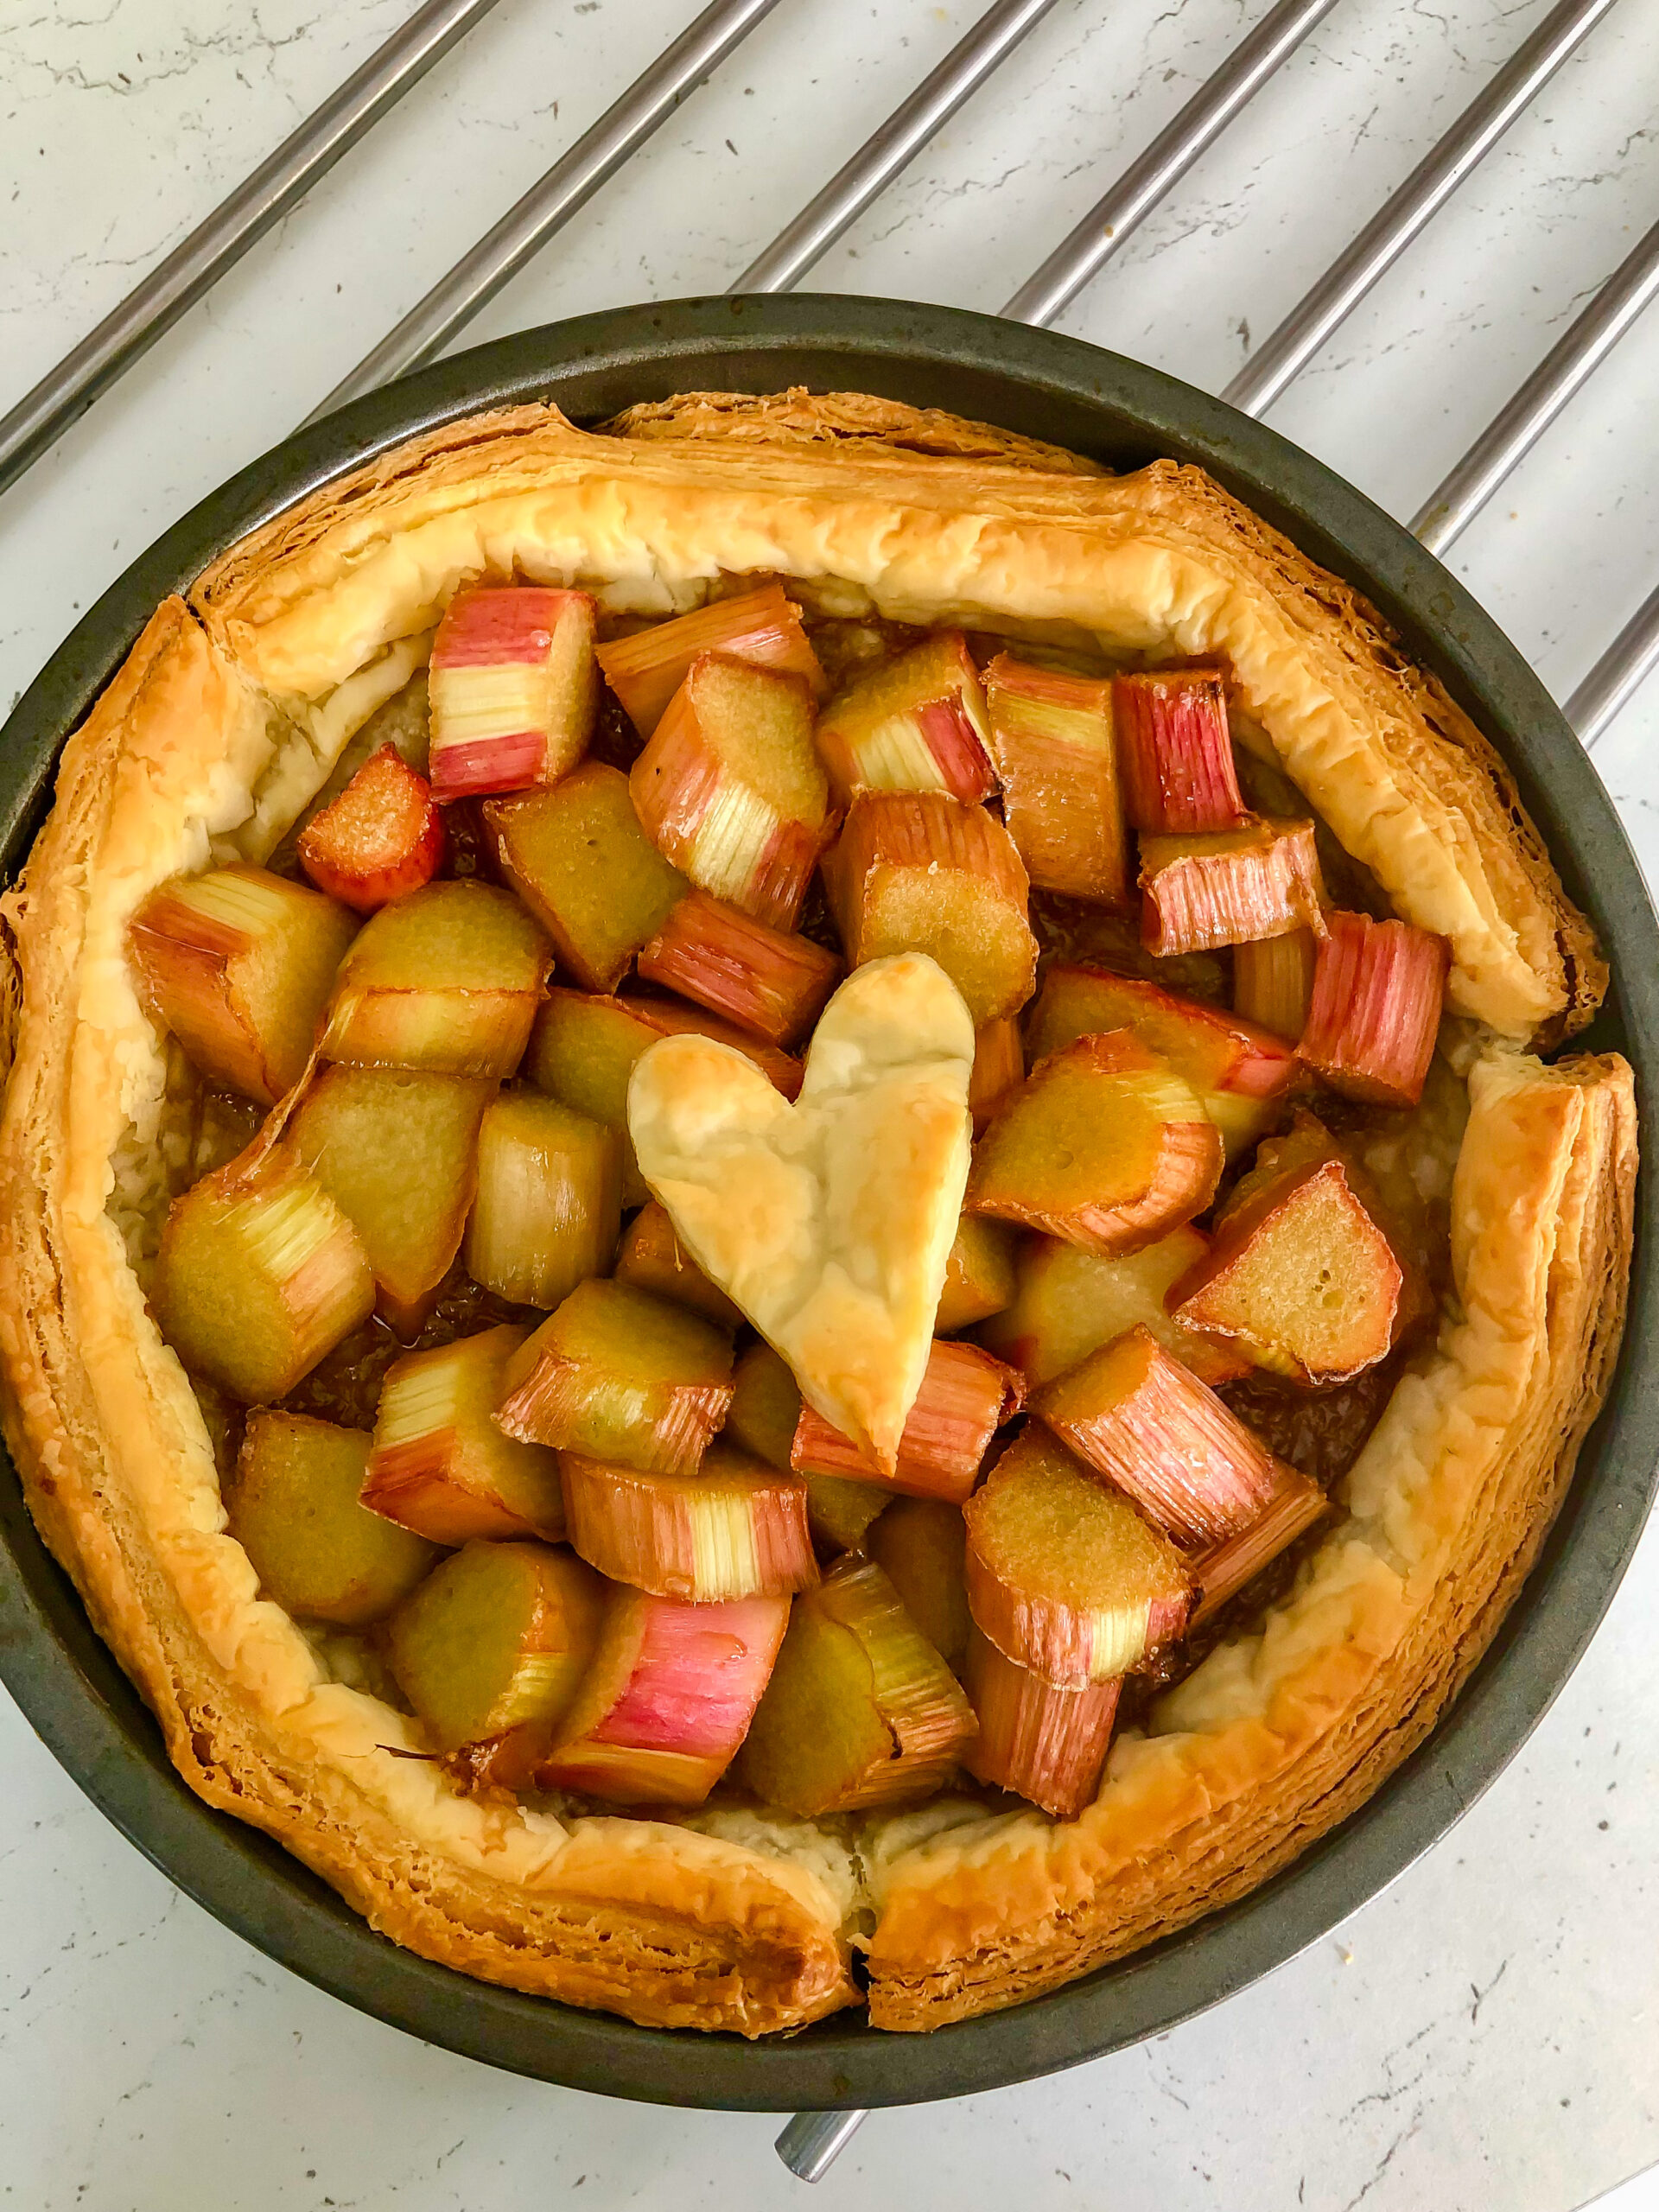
(1050, 387)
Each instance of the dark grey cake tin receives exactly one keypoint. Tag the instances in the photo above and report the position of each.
(1051, 387)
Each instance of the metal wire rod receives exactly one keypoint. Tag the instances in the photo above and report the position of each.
(64, 394)
(1398, 222)
(891, 147)
(1517, 428)
(812, 2141)
(1113, 220)
(1619, 675)
(548, 206)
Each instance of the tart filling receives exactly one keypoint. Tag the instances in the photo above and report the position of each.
(654, 1518)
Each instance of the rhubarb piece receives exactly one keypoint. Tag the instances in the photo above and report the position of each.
(1375, 1010)
(549, 1205)
(766, 1409)
(259, 1273)
(512, 688)
(497, 1637)
(1064, 1575)
(652, 1258)
(447, 980)
(1239, 1072)
(1067, 1301)
(760, 626)
(396, 1151)
(861, 1709)
(238, 965)
(1302, 1278)
(966, 1395)
(979, 1276)
(918, 1542)
(441, 1465)
(293, 1508)
(582, 1052)
(618, 1376)
(913, 724)
(1148, 1424)
(773, 983)
(1052, 738)
(840, 1514)
(1104, 1144)
(1272, 981)
(999, 1070)
(916, 872)
(382, 838)
(578, 858)
(733, 1529)
(668, 1699)
(730, 788)
(1296, 1504)
(1043, 1741)
(1176, 750)
(1229, 886)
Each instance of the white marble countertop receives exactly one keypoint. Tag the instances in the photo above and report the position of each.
(1483, 2035)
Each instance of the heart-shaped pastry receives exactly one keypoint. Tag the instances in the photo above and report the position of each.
(829, 1222)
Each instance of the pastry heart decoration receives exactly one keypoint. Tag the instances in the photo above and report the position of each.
(828, 1222)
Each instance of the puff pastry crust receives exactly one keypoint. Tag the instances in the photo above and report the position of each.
(829, 1222)
(223, 723)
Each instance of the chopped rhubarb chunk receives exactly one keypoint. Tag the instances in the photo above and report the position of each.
(1064, 1575)
(497, 1638)
(292, 1507)
(652, 1258)
(1177, 751)
(965, 1397)
(920, 1543)
(669, 1698)
(760, 626)
(1141, 1419)
(730, 787)
(441, 1465)
(382, 838)
(1199, 891)
(1052, 738)
(913, 724)
(1302, 1278)
(979, 1276)
(998, 1072)
(397, 1152)
(259, 1275)
(548, 1204)
(917, 872)
(618, 1376)
(512, 687)
(840, 1514)
(578, 858)
(1104, 1144)
(1045, 1742)
(767, 980)
(1240, 1073)
(582, 1051)
(766, 1411)
(1296, 1504)
(238, 964)
(1272, 981)
(1066, 1302)
(1378, 988)
(733, 1529)
(447, 980)
(861, 1709)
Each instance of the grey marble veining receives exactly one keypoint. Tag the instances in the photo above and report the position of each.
(1483, 2035)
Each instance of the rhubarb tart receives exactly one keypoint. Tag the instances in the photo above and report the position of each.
(796, 1211)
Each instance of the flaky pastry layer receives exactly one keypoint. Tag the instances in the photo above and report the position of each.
(222, 725)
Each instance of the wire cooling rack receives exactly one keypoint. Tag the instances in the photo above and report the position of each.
(811, 2141)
